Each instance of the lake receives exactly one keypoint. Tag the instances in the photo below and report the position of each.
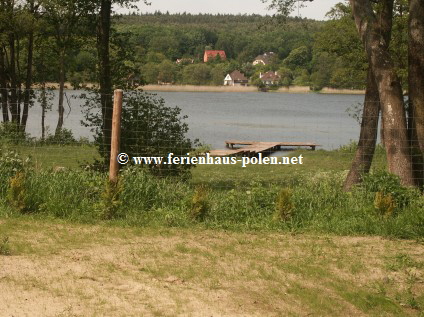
(216, 117)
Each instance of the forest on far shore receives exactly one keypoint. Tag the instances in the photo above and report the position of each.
(308, 53)
(144, 48)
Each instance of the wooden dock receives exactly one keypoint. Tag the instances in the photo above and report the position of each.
(252, 148)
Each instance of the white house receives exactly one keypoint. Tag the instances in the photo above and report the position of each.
(236, 78)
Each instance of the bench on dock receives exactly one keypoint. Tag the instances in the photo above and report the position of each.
(251, 148)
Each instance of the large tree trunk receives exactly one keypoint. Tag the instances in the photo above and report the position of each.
(390, 91)
(369, 126)
(61, 109)
(3, 87)
(103, 33)
(416, 83)
(368, 136)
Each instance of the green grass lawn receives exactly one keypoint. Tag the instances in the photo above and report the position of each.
(72, 156)
(51, 156)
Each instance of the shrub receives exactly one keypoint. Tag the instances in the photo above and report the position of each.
(17, 194)
(199, 204)
(11, 134)
(391, 193)
(283, 205)
(110, 200)
(64, 137)
(149, 128)
(10, 164)
(384, 204)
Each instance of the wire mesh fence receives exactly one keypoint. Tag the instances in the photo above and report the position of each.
(216, 137)
(224, 160)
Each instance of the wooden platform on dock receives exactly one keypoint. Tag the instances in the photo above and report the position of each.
(251, 148)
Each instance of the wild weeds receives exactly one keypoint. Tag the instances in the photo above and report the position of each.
(200, 204)
(16, 194)
(110, 201)
(314, 202)
(284, 205)
(384, 204)
(5, 246)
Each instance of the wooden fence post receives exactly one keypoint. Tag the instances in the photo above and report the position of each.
(116, 136)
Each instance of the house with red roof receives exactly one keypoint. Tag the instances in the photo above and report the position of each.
(270, 78)
(212, 54)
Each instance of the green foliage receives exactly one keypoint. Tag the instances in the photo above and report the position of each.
(141, 199)
(167, 72)
(339, 60)
(298, 58)
(149, 128)
(16, 194)
(390, 195)
(284, 205)
(384, 204)
(10, 133)
(199, 204)
(197, 74)
(63, 137)
(10, 165)
(110, 200)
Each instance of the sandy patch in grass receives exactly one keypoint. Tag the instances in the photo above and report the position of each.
(71, 270)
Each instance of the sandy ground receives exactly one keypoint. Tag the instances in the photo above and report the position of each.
(70, 270)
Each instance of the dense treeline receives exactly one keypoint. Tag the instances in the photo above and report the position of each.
(62, 41)
(303, 53)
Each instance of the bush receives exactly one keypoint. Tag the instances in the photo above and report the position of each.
(149, 128)
(11, 134)
(11, 164)
(64, 137)
(16, 195)
(199, 204)
(283, 205)
(110, 200)
(387, 191)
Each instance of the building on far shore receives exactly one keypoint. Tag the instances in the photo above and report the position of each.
(264, 59)
(236, 78)
(270, 78)
(184, 61)
(212, 54)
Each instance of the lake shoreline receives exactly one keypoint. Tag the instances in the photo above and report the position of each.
(291, 89)
(236, 89)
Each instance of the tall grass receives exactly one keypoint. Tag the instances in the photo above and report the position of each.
(312, 202)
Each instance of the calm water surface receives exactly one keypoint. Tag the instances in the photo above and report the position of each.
(216, 117)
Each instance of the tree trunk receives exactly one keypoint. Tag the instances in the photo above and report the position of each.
(13, 101)
(28, 80)
(3, 87)
(103, 34)
(390, 91)
(368, 136)
(61, 109)
(416, 83)
(369, 126)
(43, 110)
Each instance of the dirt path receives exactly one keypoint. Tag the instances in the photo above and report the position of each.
(70, 270)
